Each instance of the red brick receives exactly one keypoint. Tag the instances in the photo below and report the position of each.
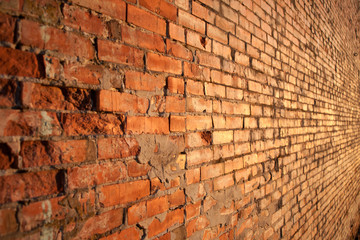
(14, 5)
(9, 155)
(83, 21)
(30, 185)
(160, 7)
(172, 218)
(198, 122)
(19, 63)
(199, 156)
(88, 74)
(235, 108)
(136, 169)
(161, 63)
(137, 213)
(16, 123)
(42, 153)
(197, 40)
(193, 210)
(175, 104)
(154, 125)
(211, 171)
(8, 222)
(223, 182)
(146, 20)
(47, 97)
(113, 8)
(222, 50)
(7, 92)
(175, 85)
(177, 123)
(178, 50)
(119, 53)
(91, 175)
(48, 11)
(194, 87)
(198, 139)
(7, 28)
(217, 34)
(88, 124)
(198, 105)
(157, 206)
(177, 198)
(203, 12)
(111, 101)
(124, 192)
(132, 233)
(197, 72)
(209, 60)
(136, 37)
(68, 43)
(197, 224)
(101, 223)
(37, 213)
(176, 32)
(109, 148)
(192, 22)
(214, 90)
(144, 81)
(192, 176)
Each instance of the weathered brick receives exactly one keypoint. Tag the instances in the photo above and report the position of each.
(8, 223)
(161, 63)
(119, 53)
(136, 37)
(67, 43)
(175, 85)
(91, 175)
(212, 171)
(192, 22)
(197, 224)
(7, 28)
(146, 20)
(19, 63)
(88, 124)
(26, 185)
(122, 193)
(7, 92)
(111, 101)
(28, 123)
(160, 7)
(198, 122)
(177, 123)
(83, 20)
(113, 8)
(101, 223)
(154, 125)
(117, 147)
(132, 233)
(144, 81)
(172, 218)
(40, 153)
(178, 50)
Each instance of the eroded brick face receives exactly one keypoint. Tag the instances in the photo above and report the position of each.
(178, 119)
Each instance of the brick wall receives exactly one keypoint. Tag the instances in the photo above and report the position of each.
(175, 119)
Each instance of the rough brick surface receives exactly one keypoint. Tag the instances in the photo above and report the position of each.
(178, 119)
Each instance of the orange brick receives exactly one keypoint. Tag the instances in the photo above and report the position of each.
(223, 182)
(154, 125)
(119, 53)
(175, 104)
(192, 22)
(160, 7)
(198, 122)
(175, 85)
(212, 171)
(121, 102)
(146, 20)
(176, 32)
(177, 123)
(161, 63)
(111, 195)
